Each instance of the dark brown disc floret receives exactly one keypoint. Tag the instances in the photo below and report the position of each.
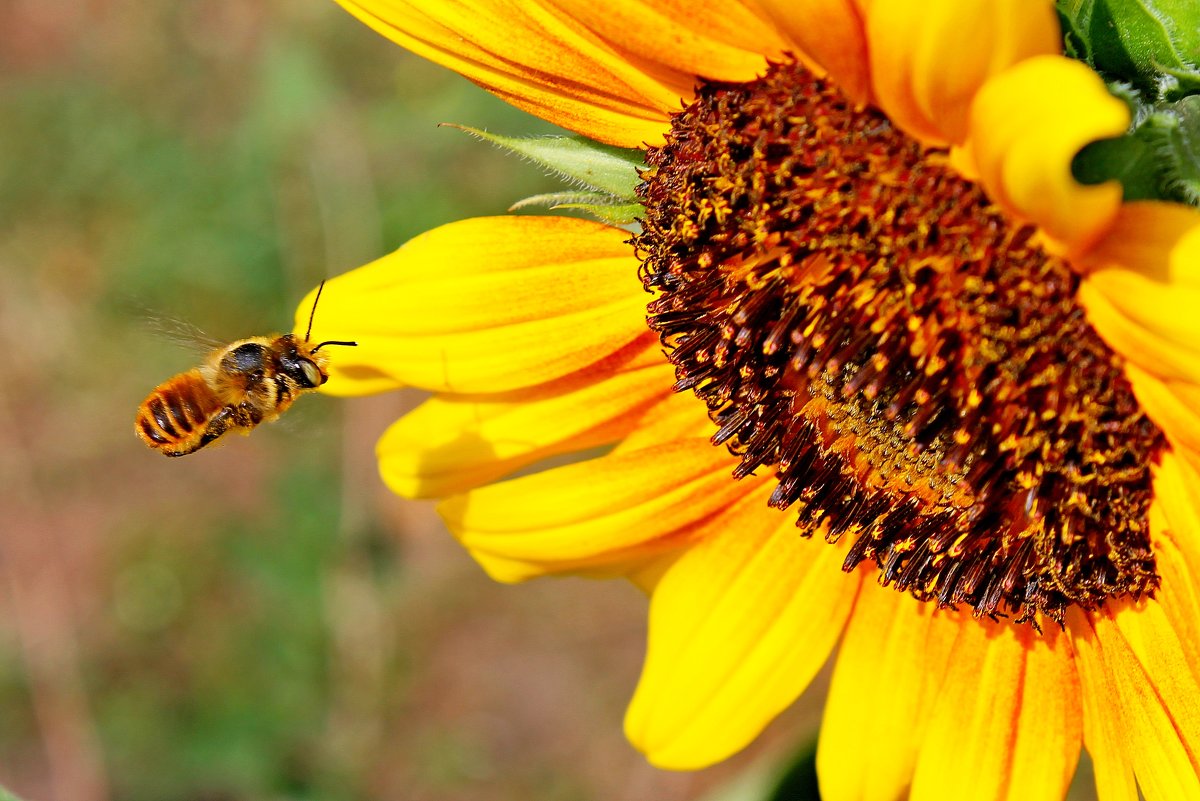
(913, 366)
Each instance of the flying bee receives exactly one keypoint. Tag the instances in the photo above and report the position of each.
(249, 382)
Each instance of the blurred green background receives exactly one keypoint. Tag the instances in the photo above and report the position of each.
(261, 620)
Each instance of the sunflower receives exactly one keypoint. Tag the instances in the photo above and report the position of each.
(900, 383)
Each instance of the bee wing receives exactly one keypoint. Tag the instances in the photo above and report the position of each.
(184, 334)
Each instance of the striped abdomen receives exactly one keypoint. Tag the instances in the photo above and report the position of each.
(175, 417)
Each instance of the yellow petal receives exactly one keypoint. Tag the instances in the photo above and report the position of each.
(828, 36)
(1174, 406)
(928, 60)
(1007, 724)
(1144, 349)
(739, 625)
(1026, 125)
(677, 416)
(540, 59)
(454, 443)
(888, 676)
(646, 575)
(615, 510)
(483, 305)
(1177, 491)
(1157, 694)
(1166, 310)
(1177, 597)
(1141, 289)
(1160, 241)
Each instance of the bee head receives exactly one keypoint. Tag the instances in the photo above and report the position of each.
(314, 365)
(297, 361)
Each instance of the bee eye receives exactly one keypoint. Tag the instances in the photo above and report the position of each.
(311, 373)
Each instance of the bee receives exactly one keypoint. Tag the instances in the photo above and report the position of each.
(239, 386)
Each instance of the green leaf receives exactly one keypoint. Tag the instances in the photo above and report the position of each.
(597, 204)
(612, 171)
(1153, 45)
(1075, 17)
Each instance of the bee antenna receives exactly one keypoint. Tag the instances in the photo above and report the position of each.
(334, 342)
(313, 313)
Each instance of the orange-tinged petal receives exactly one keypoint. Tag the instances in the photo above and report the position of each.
(483, 305)
(540, 59)
(1157, 695)
(1007, 724)
(454, 443)
(888, 676)
(828, 36)
(1166, 655)
(928, 60)
(739, 625)
(620, 128)
(716, 39)
(614, 510)
(1026, 125)
(1104, 728)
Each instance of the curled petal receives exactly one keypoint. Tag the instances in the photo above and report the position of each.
(1026, 125)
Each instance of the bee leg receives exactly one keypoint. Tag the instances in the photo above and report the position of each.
(239, 416)
(218, 424)
(246, 416)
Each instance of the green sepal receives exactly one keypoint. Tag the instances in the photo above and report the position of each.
(1158, 160)
(610, 171)
(1127, 159)
(1181, 151)
(597, 204)
(799, 780)
(1153, 45)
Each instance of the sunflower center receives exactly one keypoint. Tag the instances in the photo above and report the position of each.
(913, 367)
